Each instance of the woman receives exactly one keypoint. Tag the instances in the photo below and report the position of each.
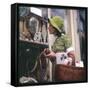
(60, 44)
(62, 41)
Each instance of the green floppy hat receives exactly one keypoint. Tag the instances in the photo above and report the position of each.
(57, 22)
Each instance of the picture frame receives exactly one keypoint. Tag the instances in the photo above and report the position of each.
(30, 37)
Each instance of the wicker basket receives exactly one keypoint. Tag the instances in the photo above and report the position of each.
(69, 73)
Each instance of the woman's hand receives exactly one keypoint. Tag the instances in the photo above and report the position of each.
(51, 56)
(48, 54)
(44, 53)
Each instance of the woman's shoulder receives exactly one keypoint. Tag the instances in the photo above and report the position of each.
(63, 37)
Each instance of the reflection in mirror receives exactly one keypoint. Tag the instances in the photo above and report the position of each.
(33, 25)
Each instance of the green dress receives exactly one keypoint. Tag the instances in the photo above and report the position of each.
(61, 43)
